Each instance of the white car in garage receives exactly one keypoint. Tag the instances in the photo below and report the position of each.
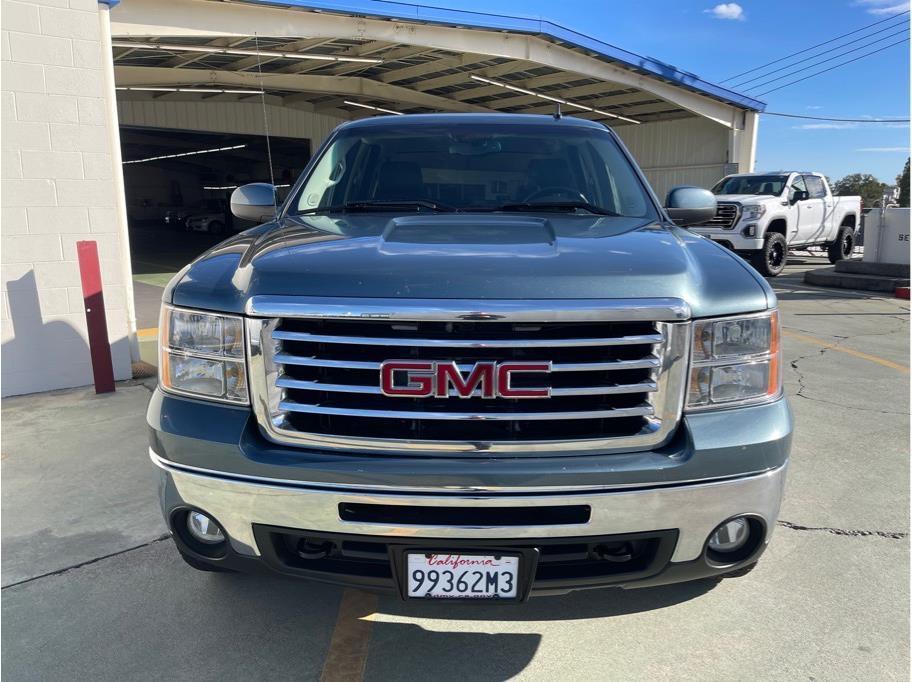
(212, 217)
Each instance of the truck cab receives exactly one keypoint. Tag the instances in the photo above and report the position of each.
(764, 216)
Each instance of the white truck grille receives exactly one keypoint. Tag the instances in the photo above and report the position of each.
(726, 216)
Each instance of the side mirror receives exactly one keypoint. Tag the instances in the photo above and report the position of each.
(690, 205)
(800, 195)
(256, 202)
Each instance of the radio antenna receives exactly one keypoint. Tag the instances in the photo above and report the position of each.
(275, 203)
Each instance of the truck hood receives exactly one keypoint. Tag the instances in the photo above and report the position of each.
(746, 198)
(471, 256)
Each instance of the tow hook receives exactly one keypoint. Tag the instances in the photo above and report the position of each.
(313, 549)
(614, 553)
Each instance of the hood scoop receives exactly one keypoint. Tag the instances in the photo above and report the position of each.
(475, 229)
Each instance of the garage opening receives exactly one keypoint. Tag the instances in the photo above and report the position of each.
(178, 185)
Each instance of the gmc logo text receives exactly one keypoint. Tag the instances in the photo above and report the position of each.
(440, 379)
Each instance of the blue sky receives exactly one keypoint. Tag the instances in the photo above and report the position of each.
(717, 43)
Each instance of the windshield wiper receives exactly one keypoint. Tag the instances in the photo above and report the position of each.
(353, 206)
(557, 206)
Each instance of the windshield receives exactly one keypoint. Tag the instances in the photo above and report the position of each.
(751, 184)
(474, 167)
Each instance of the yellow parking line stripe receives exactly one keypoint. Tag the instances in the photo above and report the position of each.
(848, 351)
(147, 333)
(347, 654)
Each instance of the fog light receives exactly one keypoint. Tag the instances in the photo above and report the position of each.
(749, 231)
(730, 536)
(204, 529)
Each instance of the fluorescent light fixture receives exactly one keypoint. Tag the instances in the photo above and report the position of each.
(373, 108)
(550, 98)
(210, 91)
(175, 156)
(236, 186)
(270, 54)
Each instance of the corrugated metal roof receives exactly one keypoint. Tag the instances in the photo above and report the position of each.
(544, 28)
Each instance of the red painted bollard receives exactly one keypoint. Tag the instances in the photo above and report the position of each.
(93, 303)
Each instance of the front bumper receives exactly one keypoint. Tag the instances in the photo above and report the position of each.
(719, 464)
(733, 238)
(678, 520)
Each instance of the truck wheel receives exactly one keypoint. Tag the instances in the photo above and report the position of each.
(770, 260)
(843, 246)
(202, 565)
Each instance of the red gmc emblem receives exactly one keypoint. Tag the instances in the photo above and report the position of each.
(427, 378)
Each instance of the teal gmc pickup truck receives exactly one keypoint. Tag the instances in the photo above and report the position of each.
(471, 356)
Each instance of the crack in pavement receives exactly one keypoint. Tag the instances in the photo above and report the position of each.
(890, 535)
(839, 340)
(61, 571)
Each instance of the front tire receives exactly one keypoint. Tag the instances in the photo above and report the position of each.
(842, 248)
(770, 260)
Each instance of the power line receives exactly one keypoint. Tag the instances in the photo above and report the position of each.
(844, 120)
(828, 59)
(836, 66)
(812, 47)
(832, 49)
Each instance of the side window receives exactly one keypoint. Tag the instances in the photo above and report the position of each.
(331, 170)
(798, 185)
(815, 186)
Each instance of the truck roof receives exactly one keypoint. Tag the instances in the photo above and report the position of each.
(779, 172)
(485, 119)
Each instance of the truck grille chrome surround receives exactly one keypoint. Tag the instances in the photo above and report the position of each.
(617, 377)
(727, 216)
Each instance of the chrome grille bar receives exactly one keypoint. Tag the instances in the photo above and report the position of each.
(416, 309)
(640, 411)
(645, 387)
(282, 335)
(310, 361)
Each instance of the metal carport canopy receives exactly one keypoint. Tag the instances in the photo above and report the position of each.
(317, 54)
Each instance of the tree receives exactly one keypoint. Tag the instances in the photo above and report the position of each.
(870, 188)
(903, 181)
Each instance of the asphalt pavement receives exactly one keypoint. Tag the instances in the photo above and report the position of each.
(92, 589)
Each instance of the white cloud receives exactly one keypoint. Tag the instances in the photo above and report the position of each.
(904, 150)
(883, 7)
(813, 106)
(727, 10)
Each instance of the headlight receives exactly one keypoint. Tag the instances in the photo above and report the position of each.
(202, 355)
(735, 361)
(753, 212)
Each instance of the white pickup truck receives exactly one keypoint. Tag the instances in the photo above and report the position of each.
(763, 216)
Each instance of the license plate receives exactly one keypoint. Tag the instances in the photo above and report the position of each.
(462, 576)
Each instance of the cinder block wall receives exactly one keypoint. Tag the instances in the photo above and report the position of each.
(57, 189)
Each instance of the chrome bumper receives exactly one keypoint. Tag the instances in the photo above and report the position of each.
(694, 509)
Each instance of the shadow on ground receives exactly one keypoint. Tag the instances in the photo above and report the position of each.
(185, 624)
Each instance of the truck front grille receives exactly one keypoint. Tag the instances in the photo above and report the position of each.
(726, 217)
(613, 383)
